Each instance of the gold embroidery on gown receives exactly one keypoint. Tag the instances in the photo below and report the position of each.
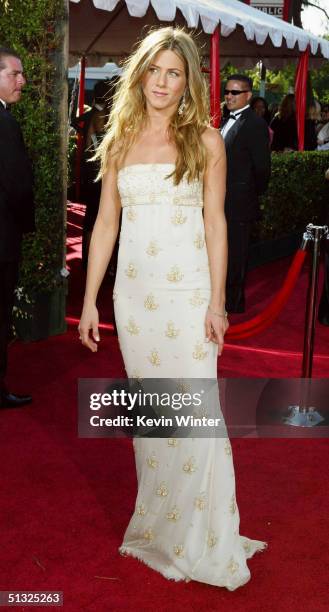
(171, 331)
(186, 519)
(153, 250)
(132, 328)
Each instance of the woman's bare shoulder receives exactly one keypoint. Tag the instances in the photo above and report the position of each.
(212, 139)
(116, 157)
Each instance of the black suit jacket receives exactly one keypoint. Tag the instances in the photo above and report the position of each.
(248, 166)
(16, 188)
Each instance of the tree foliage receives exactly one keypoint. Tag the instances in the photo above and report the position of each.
(30, 28)
(281, 82)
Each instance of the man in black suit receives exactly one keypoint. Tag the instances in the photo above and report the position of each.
(16, 206)
(247, 145)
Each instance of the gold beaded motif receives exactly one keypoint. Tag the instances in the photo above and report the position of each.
(200, 502)
(247, 547)
(171, 331)
(175, 275)
(131, 271)
(178, 217)
(150, 303)
(182, 387)
(189, 466)
(233, 566)
(141, 510)
(172, 442)
(197, 299)
(131, 214)
(228, 448)
(162, 490)
(199, 241)
(152, 461)
(198, 352)
(232, 505)
(174, 514)
(136, 374)
(132, 328)
(154, 358)
(179, 550)
(148, 535)
(201, 412)
(153, 250)
(211, 539)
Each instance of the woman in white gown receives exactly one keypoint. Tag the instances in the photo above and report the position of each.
(166, 169)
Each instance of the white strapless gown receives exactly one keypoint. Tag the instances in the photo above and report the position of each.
(186, 520)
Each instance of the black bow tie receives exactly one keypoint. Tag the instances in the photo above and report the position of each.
(235, 117)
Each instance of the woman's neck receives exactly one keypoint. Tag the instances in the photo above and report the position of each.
(157, 122)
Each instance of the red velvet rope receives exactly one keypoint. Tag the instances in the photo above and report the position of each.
(265, 318)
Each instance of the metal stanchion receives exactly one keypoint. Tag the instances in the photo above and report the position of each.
(316, 233)
(304, 415)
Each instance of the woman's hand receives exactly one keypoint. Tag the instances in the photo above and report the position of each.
(89, 321)
(216, 327)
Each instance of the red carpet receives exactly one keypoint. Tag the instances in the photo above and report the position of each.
(276, 352)
(65, 501)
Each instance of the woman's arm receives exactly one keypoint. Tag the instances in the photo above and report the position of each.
(101, 246)
(216, 234)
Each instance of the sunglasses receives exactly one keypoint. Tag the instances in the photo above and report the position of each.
(235, 92)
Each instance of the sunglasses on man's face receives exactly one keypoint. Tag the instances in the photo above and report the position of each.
(235, 92)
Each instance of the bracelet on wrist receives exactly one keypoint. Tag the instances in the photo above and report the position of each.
(217, 314)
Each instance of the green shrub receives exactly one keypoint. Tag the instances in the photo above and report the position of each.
(297, 194)
(31, 29)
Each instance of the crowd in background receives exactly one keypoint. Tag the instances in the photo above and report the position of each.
(282, 123)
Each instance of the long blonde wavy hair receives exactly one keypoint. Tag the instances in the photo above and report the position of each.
(128, 113)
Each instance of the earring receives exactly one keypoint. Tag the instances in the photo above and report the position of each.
(182, 105)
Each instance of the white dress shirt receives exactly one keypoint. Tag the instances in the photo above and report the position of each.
(3, 102)
(232, 121)
(323, 138)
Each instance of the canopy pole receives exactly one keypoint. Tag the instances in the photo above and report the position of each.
(262, 85)
(81, 104)
(215, 79)
(81, 101)
(301, 95)
(286, 10)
